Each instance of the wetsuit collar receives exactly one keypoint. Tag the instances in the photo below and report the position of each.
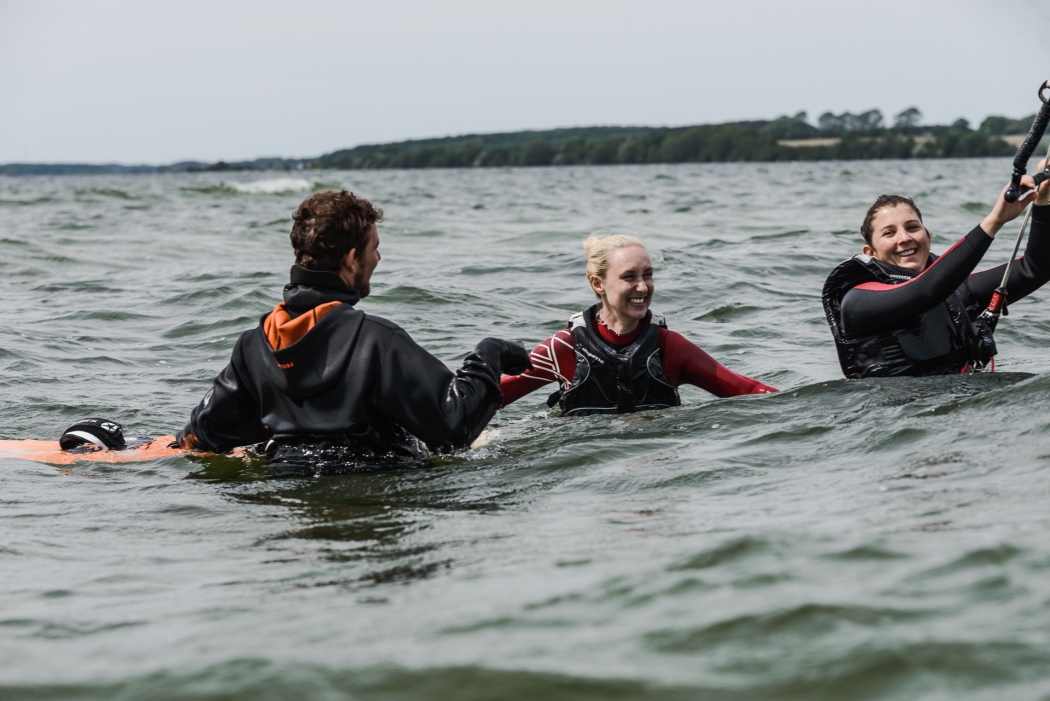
(310, 288)
(896, 271)
(610, 336)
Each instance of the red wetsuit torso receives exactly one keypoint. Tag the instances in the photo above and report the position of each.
(684, 363)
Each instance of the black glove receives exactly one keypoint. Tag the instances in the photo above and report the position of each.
(513, 358)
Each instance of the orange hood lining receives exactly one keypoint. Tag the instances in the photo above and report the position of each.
(282, 330)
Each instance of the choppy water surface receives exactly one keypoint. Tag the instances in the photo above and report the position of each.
(875, 539)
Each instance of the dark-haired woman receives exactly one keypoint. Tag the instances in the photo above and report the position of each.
(618, 357)
(897, 309)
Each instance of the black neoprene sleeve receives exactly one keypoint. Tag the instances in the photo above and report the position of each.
(873, 306)
(228, 416)
(1030, 272)
(444, 410)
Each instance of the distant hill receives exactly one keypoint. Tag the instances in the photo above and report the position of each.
(787, 138)
(844, 136)
(182, 167)
(71, 169)
(462, 151)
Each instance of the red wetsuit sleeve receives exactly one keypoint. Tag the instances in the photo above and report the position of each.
(554, 360)
(685, 363)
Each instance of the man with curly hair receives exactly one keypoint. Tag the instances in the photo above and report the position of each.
(316, 371)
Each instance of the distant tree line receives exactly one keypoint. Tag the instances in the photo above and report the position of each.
(181, 167)
(844, 136)
(841, 136)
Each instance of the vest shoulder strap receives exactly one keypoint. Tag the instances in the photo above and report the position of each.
(846, 275)
(578, 320)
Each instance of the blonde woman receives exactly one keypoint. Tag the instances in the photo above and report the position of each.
(617, 357)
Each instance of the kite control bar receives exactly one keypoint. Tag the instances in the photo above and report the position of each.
(989, 318)
(1024, 153)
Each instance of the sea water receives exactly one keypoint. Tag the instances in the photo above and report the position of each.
(881, 539)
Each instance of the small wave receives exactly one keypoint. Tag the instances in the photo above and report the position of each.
(23, 203)
(728, 312)
(106, 192)
(409, 294)
(729, 551)
(274, 186)
(781, 235)
(327, 185)
(276, 222)
(801, 621)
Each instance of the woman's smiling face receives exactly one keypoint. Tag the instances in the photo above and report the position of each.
(627, 289)
(899, 238)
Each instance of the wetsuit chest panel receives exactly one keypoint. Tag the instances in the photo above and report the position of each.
(617, 380)
(941, 340)
(929, 336)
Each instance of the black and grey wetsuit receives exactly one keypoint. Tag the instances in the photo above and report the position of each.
(888, 320)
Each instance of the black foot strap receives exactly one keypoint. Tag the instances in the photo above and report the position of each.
(93, 433)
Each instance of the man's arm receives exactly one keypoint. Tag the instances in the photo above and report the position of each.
(227, 417)
(444, 410)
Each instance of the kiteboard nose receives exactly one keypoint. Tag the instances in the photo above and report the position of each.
(93, 434)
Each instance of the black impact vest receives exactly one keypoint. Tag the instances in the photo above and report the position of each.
(614, 379)
(942, 341)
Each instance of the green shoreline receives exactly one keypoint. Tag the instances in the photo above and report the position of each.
(845, 136)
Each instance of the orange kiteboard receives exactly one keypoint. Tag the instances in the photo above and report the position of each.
(49, 452)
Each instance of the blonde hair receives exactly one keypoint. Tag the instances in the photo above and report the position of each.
(598, 246)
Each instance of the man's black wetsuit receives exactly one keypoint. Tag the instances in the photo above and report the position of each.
(317, 370)
(889, 320)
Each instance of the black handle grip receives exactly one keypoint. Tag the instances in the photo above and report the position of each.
(1039, 178)
(1027, 148)
(1035, 135)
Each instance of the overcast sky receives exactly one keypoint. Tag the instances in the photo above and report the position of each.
(138, 81)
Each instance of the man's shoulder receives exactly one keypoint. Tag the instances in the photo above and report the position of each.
(381, 331)
(378, 322)
(346, 313)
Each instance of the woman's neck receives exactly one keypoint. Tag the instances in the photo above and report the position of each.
(615, 323)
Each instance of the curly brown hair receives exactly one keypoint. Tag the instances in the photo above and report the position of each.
(328, 225)
(885, 201)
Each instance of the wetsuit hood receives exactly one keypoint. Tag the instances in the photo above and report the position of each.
(310, 288)
(310, 333)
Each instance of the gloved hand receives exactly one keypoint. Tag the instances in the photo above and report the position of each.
(513, 357)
